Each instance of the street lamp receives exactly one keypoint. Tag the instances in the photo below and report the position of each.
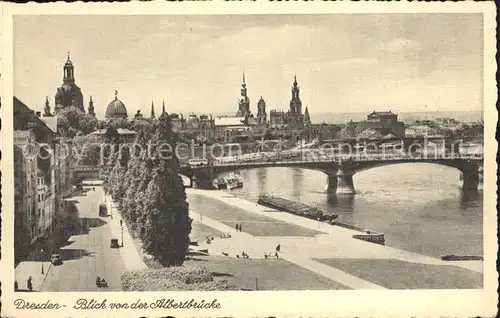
(121, 226)
(41, 257)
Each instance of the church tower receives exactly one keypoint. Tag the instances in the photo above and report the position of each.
(152, 110)
(307, 118)
(91, 109)
(243, 101)
(295, 117)
(46, 109)
(69, 94)
(261, 112)
(295, 102)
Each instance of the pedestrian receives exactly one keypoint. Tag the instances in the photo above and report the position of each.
(30, 285)
(240, 227)
(278, 248)
(16, 286)
(237, 227)
(276, 254)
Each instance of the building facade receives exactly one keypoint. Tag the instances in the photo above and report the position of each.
(385, 123)
(41, 175)
(26, 218)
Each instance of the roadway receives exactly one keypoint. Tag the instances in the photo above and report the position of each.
(87, 253)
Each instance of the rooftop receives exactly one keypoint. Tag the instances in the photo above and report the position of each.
(230, 121)
(121, 131)
(384, 113)
(51, 122)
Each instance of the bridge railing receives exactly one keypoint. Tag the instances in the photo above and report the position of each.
(341, 158)
(323, 157)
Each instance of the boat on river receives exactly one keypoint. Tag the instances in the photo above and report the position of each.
(296, 208)
(220, 184)
(233, 181)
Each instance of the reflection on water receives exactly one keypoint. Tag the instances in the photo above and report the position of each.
(420, 207)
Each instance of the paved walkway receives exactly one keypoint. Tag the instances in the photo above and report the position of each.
(256, 248)
(336, 243)
(128, 251)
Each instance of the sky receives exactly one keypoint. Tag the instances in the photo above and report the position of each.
(343, 62)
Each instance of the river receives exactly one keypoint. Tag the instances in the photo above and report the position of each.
(419, 207)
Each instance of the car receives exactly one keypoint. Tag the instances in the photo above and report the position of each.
(56, 259)
(114, 243)
(103, 210)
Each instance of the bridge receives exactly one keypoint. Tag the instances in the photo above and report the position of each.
(340, 168)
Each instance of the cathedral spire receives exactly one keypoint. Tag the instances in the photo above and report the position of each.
(91, 107)
(153, 110)
(163, 112)
(46, 109)
(243, 83)
(307, 118)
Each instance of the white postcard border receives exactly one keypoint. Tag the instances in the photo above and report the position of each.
(263, 303)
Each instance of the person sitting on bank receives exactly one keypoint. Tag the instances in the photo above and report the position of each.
(98, 281)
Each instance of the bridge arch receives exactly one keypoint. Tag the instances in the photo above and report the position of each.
(340, 174)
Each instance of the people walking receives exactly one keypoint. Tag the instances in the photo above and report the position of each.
(278, 248)
(30, 284)
(237, 227)
(240, 228)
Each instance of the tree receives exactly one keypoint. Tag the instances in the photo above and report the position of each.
(88, 149)
(167, 224)
(150, 193)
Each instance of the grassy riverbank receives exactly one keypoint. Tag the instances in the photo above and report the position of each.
(396, 274)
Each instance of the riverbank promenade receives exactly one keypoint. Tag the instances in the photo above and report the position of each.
(328, 250)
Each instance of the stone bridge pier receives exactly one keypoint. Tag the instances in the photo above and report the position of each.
(340, 181)
(470, 174)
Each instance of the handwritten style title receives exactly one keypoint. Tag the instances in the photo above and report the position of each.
(89, 304)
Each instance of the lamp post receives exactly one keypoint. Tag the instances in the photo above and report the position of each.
(121, 227)
(41, 258)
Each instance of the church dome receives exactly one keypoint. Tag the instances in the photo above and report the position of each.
(116, 109)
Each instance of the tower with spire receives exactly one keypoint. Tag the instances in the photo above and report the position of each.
(91, 110)
(261, 112)
(69, 94)
(163, 111)
(152, 110)
(307, 118)
(46, 109)
(243, 101)
(295, 117)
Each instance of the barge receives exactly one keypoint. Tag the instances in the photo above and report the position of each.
(366, 235)
(453, 257)
(296, 208)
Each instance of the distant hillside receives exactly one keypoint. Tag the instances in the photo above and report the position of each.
(341, 118)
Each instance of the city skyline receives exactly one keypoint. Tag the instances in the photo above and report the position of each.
(195, 63)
